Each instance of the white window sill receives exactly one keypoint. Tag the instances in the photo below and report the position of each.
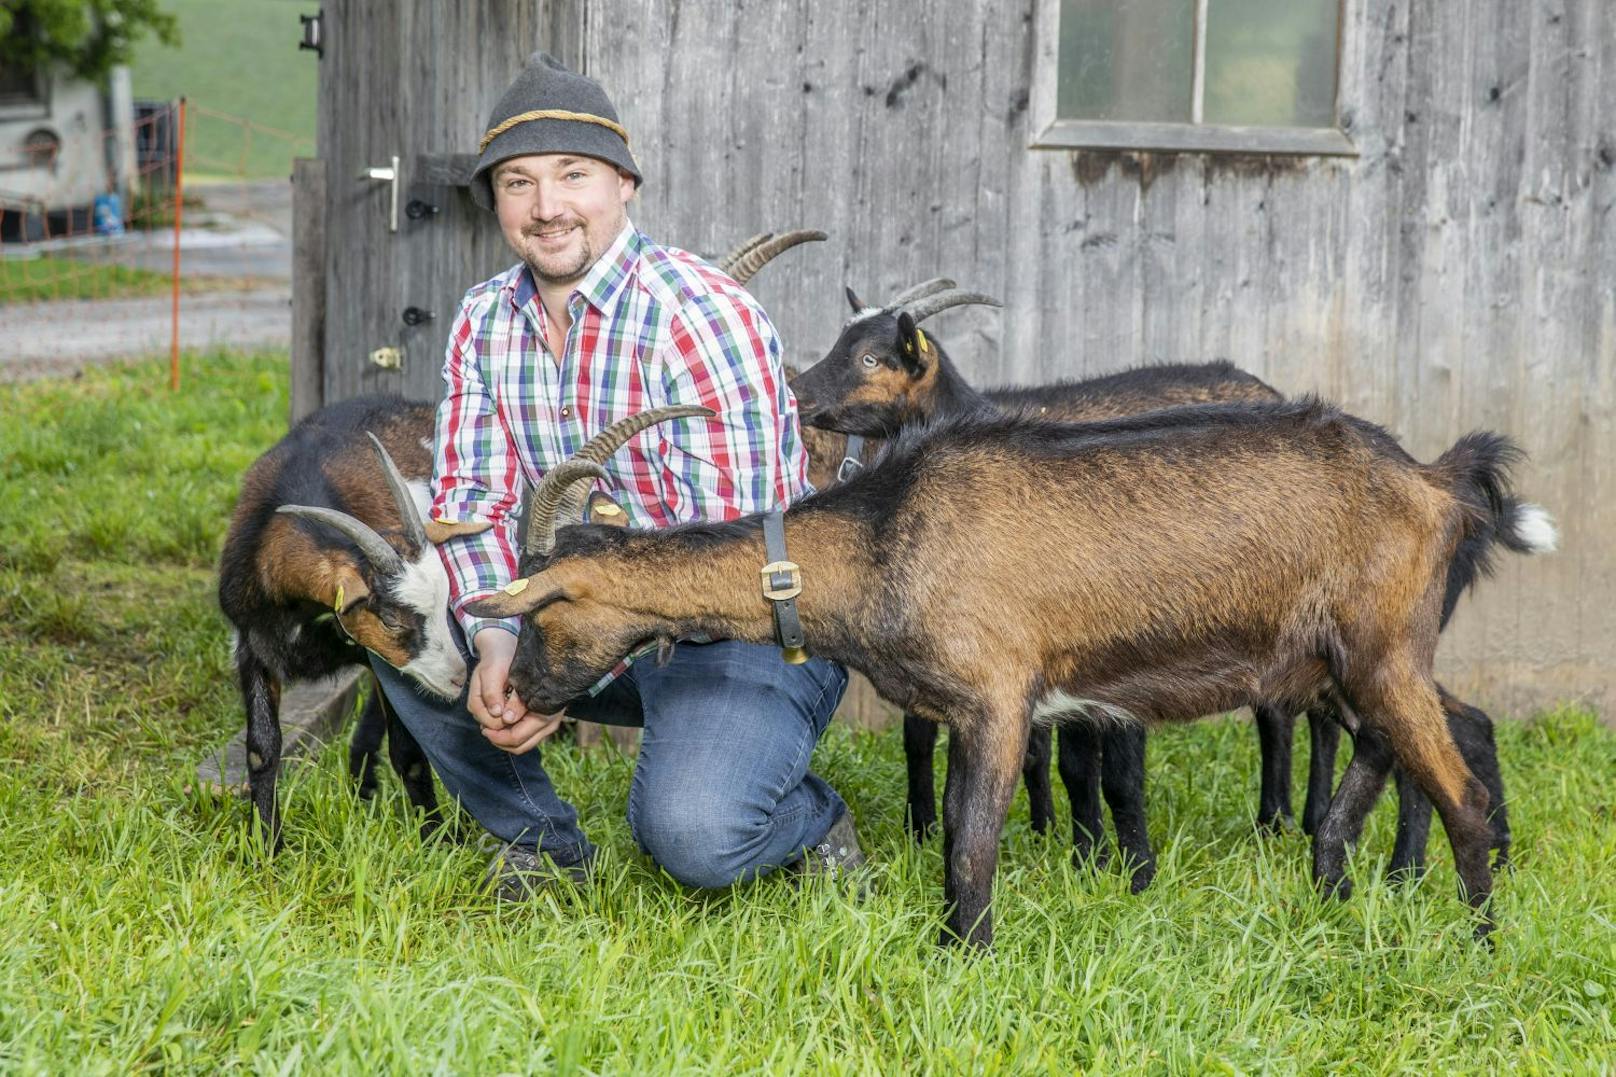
(1194, 138)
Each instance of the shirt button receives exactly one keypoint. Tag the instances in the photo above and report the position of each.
(566, 413)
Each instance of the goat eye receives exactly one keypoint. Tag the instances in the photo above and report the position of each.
(870, 361)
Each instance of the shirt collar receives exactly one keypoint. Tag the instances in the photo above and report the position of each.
(599, 287)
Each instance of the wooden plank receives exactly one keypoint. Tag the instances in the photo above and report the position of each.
(308, 286)
(312, 714)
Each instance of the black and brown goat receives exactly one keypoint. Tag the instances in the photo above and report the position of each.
(327, 558)
(991, 572)
(883, 374)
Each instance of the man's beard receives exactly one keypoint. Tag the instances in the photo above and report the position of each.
(564, 273)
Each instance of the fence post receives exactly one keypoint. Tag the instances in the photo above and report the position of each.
(308, 285)
(179, 195)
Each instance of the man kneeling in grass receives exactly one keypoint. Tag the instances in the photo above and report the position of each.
(597, 323)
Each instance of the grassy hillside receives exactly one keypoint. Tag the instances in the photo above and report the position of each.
(238, 57)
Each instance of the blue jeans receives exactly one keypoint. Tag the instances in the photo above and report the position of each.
(721, 790)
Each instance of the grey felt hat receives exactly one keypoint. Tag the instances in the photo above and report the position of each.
(549, 109)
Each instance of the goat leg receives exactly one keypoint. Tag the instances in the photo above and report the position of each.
(366, 743)
(1035, 772)
(1324, 733)
(919, 747)
(1472, 732)
(1079, 763)
(983, 758)
(1343, 823)
(261, 692)
(1275, 731)
(1122, 777)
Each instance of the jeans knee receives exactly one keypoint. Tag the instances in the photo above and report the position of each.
(703, 846)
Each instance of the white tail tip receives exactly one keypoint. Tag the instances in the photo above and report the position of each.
(1535, 527)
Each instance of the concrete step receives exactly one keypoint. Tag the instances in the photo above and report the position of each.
(312, 715)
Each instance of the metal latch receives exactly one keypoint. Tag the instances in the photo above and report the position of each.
(387, 174)
(388, 358)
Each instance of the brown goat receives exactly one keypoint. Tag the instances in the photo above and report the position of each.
(993, 572)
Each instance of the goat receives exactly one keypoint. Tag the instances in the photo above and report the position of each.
(326, 557)
(993, 571)
(869, 384)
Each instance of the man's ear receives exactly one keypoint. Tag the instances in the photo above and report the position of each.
(912, 345)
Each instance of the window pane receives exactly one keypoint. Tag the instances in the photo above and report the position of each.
(1126, 61)
(1271, 62)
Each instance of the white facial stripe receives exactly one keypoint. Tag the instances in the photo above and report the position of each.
(867, 312)
(422, 496)
(424, 588)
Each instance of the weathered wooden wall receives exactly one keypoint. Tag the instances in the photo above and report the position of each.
(1459, 273)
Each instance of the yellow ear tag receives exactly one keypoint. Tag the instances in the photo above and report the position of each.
(337, 606)
(516, 587)
(921, 337)
(606, 508)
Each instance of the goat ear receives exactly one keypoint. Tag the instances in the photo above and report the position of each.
(911, 344)
(441, 531)
(603, 510)
(348, 589)
(520, 596)
(853, 300)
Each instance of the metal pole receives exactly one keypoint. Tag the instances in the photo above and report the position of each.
(179, 193)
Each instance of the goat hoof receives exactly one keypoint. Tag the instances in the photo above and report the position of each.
(1339, 888)
(1142, 876)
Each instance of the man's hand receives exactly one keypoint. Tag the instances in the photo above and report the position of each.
(505, 719)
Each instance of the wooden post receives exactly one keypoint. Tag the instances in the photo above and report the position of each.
(308, 285)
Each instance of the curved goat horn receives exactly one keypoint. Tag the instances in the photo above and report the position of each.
(596, 451)
(408, 513)
(728, 262)
(376, 549)
(547, 497)
(746, 267)
(920, 291)
(952, 298)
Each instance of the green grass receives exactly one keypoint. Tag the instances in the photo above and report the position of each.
(239, 58)
(22, 280)
(139, 928)
(36, 279)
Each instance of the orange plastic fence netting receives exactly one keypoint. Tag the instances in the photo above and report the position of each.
(105, 217)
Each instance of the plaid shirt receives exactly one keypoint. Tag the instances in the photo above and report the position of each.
(651, 326)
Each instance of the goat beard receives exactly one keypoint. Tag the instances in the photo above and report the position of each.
(664, 651)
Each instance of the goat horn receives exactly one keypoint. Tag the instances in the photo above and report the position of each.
(952, 298)
(746, 267)
(596, 451)
(547, 498)
(728, 262)
(920, 291)
(376, 549)
(409, 515)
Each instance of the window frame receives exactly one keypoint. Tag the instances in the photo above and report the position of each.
(1051, 132)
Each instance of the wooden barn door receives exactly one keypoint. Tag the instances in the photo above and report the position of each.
(405, 88)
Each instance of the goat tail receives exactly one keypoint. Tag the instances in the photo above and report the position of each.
(1477, 470)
